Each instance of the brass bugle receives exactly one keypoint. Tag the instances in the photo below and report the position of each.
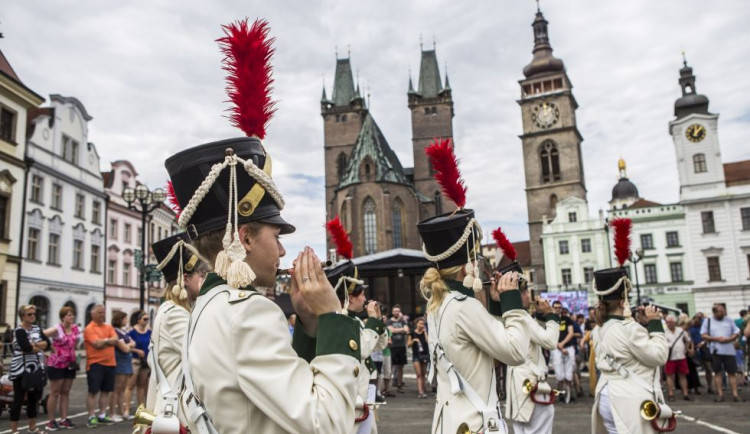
(464, 429)
(288, 271)
(527, 386)
(143, 416)
(649, 410)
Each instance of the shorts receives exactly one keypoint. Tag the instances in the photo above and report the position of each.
(379, 367)
(60, 373)
(724, 363)
(398, 356)
(564, 365)
(100, 378)
(679, 366)
(420, 358)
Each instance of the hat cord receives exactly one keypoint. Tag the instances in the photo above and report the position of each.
(457, 245)
(624, 280)
(348, 279)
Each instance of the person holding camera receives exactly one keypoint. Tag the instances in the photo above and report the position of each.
(62, 367)
(720, 332)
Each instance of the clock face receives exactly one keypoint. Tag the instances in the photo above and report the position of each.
(545, 115)
(695, 133)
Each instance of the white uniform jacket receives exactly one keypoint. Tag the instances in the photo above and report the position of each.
(167, 338)
(251, 380)
(641, 351)
(472, 339)
(519, 405)
(373, 338)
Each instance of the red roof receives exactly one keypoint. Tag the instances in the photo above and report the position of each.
(6, 68)
(523, 255)
(737, 173)
(643, 203)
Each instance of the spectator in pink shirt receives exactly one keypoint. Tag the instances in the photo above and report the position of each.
(62, 366)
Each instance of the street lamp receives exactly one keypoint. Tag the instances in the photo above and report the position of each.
(145, 202)
(635, 259)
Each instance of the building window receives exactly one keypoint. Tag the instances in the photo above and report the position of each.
(673, 239)
(675, 269)
(4, 209)
(80, 206)
(707, 218)
(70, 150)
(42, 310)
(438, 203)
(53, 252)
(32, 246)
(397, 220)
(588, 274)
(95, 258)
(371, 226)
(699, 163)
(567, 277)
(111, 269)
(572, 217)
(586, 245)
(647, 241)
(6, 125)
(96, 212)
(57, 191)
(553, 203)
(650, 271)
(36, 188)
(714, 269)
(550, 160)
(564, 248)
(128, 233)
(126, 274)
(341, 164)
(745, 214)
(113, 229)
(77, 255)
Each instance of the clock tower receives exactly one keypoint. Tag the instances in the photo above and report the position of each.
(551, 141)
(696, 142)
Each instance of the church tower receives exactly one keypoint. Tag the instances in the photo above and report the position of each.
(432, 114)
(343, 116)
(694, 132)
(551, 141)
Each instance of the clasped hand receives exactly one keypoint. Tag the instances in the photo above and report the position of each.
(311, 293)
(500, 283)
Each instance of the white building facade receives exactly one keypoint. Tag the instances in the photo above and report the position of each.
(64, 232)
(716, 199)
(16, 100)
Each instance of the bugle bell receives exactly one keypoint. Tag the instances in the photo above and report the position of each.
(527, 386)
(649, 410)
(464, 429)
(144, 416)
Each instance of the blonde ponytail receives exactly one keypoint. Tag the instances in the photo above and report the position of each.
(433, 287)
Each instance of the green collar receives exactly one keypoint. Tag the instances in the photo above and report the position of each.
(617, 317)
(455, 285)
(213, 280)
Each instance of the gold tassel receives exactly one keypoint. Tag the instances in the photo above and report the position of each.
(176, 290)
(183, 294)
(240, 274)
(477, 284)
(221, 266)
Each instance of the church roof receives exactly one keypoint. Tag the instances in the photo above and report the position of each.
(372, 143)
(429, 75)
(690, 101)
(624, 189)
(544, 62)
(343, 83)
(6, 68)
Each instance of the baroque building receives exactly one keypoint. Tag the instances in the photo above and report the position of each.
(551, 142)
(16, 100)
(378, 200)
(64, 229)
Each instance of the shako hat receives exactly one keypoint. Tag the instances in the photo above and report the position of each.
(343, 275)
(176, 258)
(613, 283)
(509, 252)
(453, 238)
(223, 184)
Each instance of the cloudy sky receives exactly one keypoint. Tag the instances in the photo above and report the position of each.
(149, 73)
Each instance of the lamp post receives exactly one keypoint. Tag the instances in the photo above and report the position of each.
(635, 259)
(144, 201)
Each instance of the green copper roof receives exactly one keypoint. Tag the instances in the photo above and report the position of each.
(429, 75)
(371, 143)
(343, 83)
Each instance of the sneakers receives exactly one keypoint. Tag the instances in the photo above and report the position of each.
(128, 416)
(117, 419)
(93, 422)
(105, 420)
(52, 426)
(67, 424)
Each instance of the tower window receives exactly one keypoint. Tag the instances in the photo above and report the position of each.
(553, 203)
(370, 225)
(550, 160)
(714, 269)
(438, 203)
(341, 164)
(707, 220)
(397, 220)
(699, 163)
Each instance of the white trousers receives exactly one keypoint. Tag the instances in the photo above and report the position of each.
(540, 422)
(605, 411)
(564, 364)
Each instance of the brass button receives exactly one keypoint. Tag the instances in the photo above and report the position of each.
(315, 371)
(356, 371)
(245, 207)
(242, 294)
(353, 345)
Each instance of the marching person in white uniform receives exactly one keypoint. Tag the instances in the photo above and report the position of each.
(628, 355)
(241, 373)
(465, 339)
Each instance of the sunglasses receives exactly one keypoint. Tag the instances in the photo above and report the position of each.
(144, 318)
(30, 314)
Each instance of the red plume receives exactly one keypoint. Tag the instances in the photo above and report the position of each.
(340, 238)
(172, 200)
(445, 164)
(505, 245)
(621, 228)
(247, 61)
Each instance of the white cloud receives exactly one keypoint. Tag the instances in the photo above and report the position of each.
(150, 75)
